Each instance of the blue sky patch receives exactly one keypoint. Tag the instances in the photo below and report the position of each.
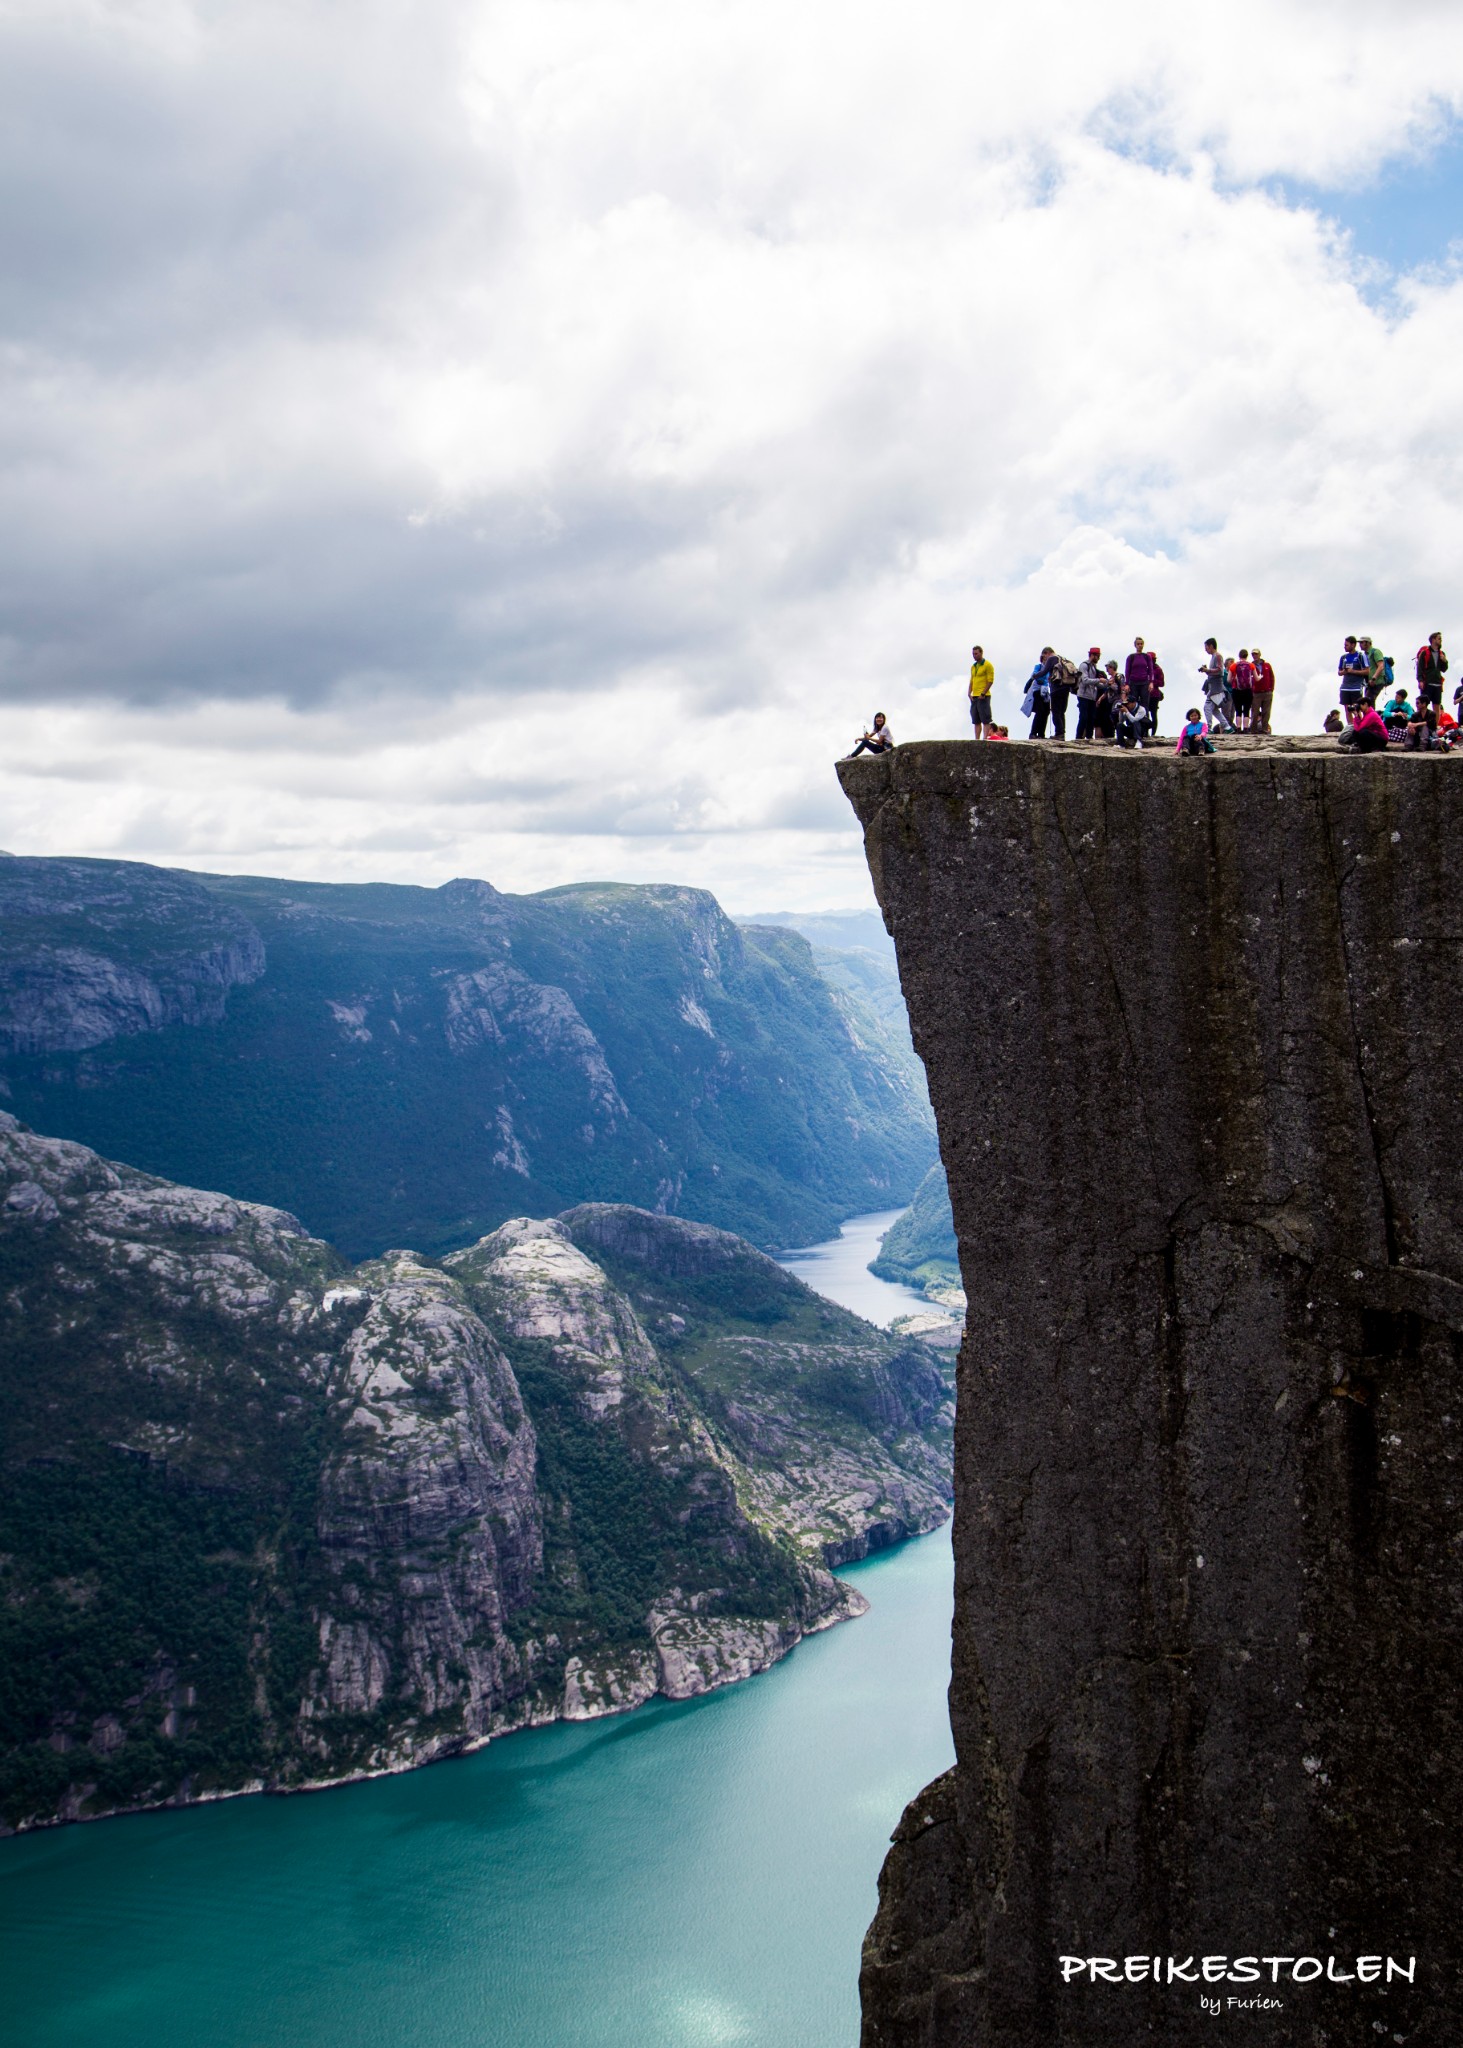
(1411, 218)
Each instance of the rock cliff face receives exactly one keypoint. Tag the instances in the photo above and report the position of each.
(1189, 1029)
(269, 1520)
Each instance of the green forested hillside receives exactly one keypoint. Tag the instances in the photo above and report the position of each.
(268, 1519)
(920, 1249)
(411, 1066)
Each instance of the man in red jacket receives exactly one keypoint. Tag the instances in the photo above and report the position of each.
(1432, 666)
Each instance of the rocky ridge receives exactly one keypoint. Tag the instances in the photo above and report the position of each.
(271, 1520)
(414, 1066)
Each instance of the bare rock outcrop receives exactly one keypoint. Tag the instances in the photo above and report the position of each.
(1188, 1029)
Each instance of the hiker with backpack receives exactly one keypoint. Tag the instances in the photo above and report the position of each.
(1264, 692)
(1432, 666)
(1379, 668)
(1050, 689)
(1242, 689)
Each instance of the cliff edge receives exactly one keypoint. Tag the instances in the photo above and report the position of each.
(1189, 1028)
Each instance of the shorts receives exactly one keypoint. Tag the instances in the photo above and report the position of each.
(1243, 698)
(1429, 693)
(1352, 693)
(980, 709)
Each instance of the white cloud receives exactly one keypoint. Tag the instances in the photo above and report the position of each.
(533, 439)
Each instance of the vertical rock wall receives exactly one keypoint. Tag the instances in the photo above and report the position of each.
(1192, 1036)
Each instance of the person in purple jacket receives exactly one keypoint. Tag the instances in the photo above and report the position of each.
(1144, 679)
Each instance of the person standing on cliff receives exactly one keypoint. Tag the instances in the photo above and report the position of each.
(1352, 669)
(1141, 673)
(982, 680)
(1060, 677)
(1051, 686)
(1432, 666)
(1264, 691)
(1242, 688)
(1090, 684)
(1217, 701)
(1376, 667)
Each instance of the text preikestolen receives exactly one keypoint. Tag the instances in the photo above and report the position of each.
(1236, 1969)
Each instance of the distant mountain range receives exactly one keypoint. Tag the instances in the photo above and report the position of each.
(266, 1519)
(839, 931)
(413, 1066)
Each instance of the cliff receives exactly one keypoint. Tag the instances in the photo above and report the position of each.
(1189, 1028)
(268, 1520)
(414, 1066)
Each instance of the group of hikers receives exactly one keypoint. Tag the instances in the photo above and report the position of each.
(1361, 723)
(1237, 697)
(1125, 707)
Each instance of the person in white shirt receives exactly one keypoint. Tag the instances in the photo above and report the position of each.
(878, 740)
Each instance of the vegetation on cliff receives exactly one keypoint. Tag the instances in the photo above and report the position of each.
(920, 1249)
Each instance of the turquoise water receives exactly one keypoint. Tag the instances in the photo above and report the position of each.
(685, 1876)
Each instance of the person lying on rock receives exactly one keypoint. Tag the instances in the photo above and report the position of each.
(878, 740)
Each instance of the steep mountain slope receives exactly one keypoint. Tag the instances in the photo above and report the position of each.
(835, 1432)
(265, 1519)
(401, 1065)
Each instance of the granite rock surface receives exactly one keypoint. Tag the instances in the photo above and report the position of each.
(1189, 1028)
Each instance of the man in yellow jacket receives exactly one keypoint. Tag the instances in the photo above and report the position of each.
(982, 676)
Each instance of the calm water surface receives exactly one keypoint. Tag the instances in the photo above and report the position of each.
(840, 1269)
(681, 1877)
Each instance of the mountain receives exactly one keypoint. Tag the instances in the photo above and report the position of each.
(837, 931)
(413, 1066)
(920, 1249)
(267, 1519)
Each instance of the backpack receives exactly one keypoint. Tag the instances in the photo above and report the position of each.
(1388, 678)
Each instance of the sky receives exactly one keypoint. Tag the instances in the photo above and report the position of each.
(530, 440)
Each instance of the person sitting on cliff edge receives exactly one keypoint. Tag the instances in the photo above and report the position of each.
(1194, 735)
(877, 740)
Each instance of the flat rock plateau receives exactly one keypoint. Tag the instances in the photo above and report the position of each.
(1189, 1027)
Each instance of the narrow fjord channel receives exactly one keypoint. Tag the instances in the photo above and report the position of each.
(683, 1876)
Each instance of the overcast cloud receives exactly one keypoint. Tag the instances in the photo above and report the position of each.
(531, 439)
